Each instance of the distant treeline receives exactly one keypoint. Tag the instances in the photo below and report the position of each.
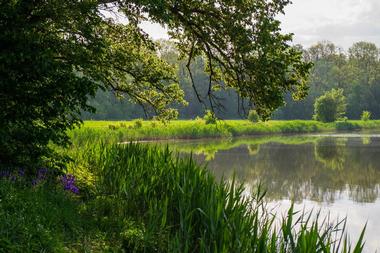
(356, 71)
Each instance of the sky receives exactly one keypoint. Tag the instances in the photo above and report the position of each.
(343, 22)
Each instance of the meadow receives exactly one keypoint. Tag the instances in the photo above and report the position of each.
(124, 131)
(143, 198)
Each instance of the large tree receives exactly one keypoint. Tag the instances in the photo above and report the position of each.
(56, 53)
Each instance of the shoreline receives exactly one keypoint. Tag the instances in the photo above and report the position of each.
(184, 130)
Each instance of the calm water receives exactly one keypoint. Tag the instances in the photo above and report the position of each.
(338, 174)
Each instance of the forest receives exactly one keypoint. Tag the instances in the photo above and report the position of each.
(356, 71)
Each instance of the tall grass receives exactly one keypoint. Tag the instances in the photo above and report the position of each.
(112, 132)
(160, 203)
(139, 198)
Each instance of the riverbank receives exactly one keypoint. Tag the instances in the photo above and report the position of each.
(125, 131)
(141, 198)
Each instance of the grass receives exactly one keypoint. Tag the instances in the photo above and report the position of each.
(139, 198)
(39, 219)
(124, 131)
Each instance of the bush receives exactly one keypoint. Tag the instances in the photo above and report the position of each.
(366, 115)
(253, 116)
(138, 123)
(209, 117)
(113, 127)
(331, 106)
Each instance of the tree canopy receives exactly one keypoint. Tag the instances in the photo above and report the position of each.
(356, 71)
(55, 54)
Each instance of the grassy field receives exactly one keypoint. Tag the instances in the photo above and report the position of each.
(124, 131)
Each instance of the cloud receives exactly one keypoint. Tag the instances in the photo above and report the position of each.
(342, 22)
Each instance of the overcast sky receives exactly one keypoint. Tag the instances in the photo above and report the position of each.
(340, 21)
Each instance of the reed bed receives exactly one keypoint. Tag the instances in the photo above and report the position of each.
(143, 198)
(164, 203)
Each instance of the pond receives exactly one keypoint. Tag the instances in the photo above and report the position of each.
(337, 174)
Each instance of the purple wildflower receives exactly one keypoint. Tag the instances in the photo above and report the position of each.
(68, 182)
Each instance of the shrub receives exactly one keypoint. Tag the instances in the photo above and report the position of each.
(330, 106)
(209, 117)
(366, 115)
(253, 116)
(138, 123)
(113, 127)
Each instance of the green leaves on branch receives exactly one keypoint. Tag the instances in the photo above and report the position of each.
(132, 68)
(242, 42)
(56, 53)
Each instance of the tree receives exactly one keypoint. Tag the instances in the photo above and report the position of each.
(55, 54)
(331, 106)
(357, 72)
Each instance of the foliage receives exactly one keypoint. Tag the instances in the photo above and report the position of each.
(144, 199)
(246, 52)
(253, 116)
(331, 106)
(137, 123)
(196, 129)
(210, 117)
(356, 71)
(180, 207)
(40, 219)
(333, 68)
(56, 54)
(366, 115)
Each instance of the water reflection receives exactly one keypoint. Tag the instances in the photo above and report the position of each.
(318, 168)
(339, 174)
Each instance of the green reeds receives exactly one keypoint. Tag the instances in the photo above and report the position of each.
(181, 208)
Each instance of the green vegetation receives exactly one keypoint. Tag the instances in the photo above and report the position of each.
(331, 106)
(124, 131)
(209, 117)
(253, 116)
(366, 115)
(142, 199)
(295, 167)
(356, 72)
(57, 54)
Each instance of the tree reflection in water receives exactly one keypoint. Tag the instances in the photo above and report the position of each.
(321, 169)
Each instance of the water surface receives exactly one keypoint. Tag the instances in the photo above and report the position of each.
(338, 174)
